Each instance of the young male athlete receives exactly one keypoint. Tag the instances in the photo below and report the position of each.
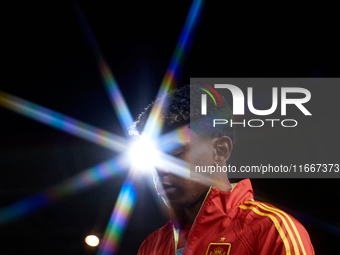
(213, 216)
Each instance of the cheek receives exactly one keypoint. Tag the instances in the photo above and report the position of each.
(202, 156)
(196, 192)
(186, 189)
(193, 187)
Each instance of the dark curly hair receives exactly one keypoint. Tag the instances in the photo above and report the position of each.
(183, 106)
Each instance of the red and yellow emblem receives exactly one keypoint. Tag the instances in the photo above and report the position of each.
(218, 249)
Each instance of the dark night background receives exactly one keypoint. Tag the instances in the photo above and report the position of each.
(46, 59)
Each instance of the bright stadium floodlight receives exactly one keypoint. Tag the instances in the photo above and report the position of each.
(92, 240)
(143, 154)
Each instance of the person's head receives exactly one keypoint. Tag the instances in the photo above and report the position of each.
(202, 144)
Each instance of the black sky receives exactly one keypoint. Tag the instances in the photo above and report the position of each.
(47, 60)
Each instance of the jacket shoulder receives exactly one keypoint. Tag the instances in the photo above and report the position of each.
(274, 228)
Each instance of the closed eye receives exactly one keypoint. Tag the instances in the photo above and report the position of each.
(177, 155)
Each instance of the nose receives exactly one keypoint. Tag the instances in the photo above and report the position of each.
(162, 172)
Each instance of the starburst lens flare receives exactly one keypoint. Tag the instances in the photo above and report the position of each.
(143, 154)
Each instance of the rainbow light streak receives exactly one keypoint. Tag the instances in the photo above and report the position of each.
(23, 207)
(119, 218)
(174, 165)
(89, 177)
(154, 181)
(154, 123)
(168, 142)
(62, 122)
(179, 167)
(172, 140)
(115, 95)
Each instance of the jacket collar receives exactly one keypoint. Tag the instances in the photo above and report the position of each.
(223, 200)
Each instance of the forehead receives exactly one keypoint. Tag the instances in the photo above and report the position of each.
(181, 137)
(175, 139)
(187, 135)
(183, 134)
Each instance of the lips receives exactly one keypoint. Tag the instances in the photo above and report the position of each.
(167, 186)
(169, 189)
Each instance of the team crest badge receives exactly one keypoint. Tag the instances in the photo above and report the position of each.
(218, 249)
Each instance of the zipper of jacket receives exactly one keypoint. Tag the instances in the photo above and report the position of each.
(194, 219)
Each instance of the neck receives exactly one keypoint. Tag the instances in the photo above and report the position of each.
(222, 184)
(187, 214)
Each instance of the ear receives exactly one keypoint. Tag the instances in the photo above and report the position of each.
(222, 149)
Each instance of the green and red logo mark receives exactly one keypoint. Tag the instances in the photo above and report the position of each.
(204, 98)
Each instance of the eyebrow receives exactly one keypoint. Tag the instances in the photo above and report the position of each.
(179, 149)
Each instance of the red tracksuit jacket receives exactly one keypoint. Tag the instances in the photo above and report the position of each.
(233, 223)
